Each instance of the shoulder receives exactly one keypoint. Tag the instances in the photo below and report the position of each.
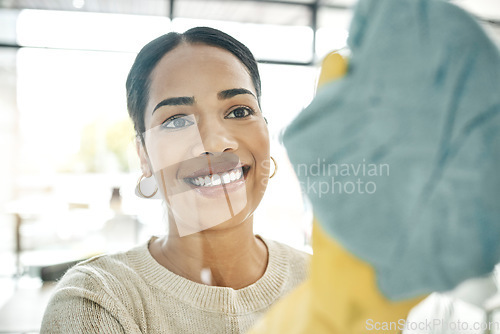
(105, 279)
(95, 293)
(109, 270)
(101, 279)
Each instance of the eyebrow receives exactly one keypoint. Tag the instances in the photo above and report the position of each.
(189, 100)
(229, 93)
(176, 101)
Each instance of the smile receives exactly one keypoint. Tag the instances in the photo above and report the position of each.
(213, 180)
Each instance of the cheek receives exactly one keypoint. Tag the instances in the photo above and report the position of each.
(260, 139)
(260, 149)
(169, 149)
(163, 155)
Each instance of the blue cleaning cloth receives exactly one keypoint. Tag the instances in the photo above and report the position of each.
(400, 158)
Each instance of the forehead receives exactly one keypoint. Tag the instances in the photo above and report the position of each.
(192, 69)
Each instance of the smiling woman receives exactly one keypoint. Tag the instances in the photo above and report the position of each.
(203, 141)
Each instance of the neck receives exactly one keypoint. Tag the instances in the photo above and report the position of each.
(230, 257)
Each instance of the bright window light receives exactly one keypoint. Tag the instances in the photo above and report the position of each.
(267, 42)
(128, 33)
(62, 91)
(88, 31)
(8, 19)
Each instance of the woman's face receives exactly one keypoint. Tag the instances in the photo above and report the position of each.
(206, 140)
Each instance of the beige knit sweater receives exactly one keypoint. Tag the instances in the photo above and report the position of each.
(131, 293)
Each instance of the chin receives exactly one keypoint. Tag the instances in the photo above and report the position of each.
(193, 213)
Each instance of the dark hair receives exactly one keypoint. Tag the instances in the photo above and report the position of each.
(138, 80)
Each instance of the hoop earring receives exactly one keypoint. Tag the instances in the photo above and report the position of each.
(139, 188)
(275, 167)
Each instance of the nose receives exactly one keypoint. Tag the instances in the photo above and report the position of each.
(215, 137)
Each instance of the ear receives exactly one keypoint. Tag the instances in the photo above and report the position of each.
(143, 157)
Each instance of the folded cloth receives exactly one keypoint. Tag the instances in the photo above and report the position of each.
(400, 158)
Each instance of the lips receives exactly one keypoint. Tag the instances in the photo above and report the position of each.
(214, 173)
(210, 166)
(217, 178)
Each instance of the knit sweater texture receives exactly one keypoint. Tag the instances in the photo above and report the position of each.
(130, 292)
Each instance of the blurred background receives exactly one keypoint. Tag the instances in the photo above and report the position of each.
(69, 165)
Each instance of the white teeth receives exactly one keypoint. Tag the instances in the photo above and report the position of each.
(217, 179)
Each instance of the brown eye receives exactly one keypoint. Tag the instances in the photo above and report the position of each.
(240, 112)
